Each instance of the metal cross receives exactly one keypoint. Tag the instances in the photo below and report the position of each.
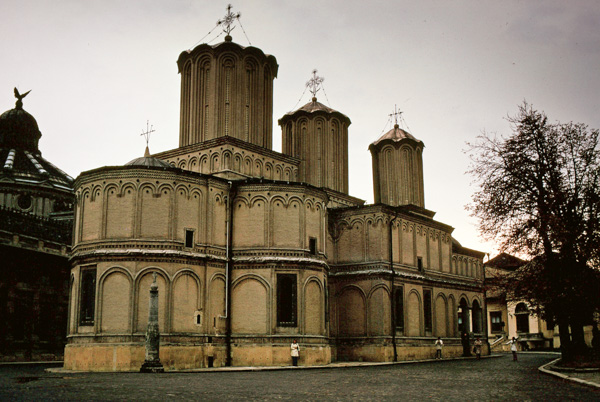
(314, 84)
(147, 133)
(228, 20)
(396, 115)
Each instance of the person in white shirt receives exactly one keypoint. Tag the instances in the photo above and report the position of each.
(439, 344)
(513, 347)
(295, 351)
(477, 346)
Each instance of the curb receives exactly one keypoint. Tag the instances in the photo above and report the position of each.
(279, 368)
(32, 363)
(544, 369)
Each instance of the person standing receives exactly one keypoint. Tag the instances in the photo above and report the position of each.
(513, 347)
(477, 347)
(439, 344)
(295, 351)
(464, 339)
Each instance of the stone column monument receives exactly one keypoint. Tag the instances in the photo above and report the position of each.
(152, 363)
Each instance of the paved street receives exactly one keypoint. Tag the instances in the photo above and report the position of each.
(493, 379)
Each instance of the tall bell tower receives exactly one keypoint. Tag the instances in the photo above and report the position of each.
(226, 90)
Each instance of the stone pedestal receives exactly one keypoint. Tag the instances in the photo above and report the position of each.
(152, 363)
(152, 367)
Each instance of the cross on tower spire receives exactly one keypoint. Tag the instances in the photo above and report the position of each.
(314, 84)
(146, 134)
(228, 22)
(397, 115)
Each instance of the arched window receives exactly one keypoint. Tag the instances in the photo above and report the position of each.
(522, 315)
(286, 300)
(87, 296)
(400, 309)
(427, 313)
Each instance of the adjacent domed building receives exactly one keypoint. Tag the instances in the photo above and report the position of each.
(253, 248)
(36, 215)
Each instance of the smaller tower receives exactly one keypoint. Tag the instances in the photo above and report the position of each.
(398, 168)
(318, 136)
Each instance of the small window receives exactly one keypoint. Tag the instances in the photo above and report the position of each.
(286, 300)
(87, 298)
(427, 310)
(189, 238)
(24, 202)
(420, 264)
(400, 308)
(496, 319)
(312, 245)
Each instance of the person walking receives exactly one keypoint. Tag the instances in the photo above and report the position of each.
(295, 351)
(477, 345)
(439, 344)
(513, 347)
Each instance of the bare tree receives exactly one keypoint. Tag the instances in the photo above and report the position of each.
(539, 197)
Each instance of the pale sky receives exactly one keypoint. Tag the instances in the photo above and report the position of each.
(98, 70)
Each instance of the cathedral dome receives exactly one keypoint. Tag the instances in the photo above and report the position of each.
(18, 129)
(313, 108)
(20, 158)
(29, 183)
(148, 161)
(395, 135)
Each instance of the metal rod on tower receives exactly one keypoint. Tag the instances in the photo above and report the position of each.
(314, 84)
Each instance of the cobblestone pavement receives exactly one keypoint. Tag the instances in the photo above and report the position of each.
(494, 379)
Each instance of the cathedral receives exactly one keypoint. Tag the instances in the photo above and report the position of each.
(253, 248)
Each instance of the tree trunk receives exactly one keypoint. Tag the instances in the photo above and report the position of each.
(579, 346)
(565, 339)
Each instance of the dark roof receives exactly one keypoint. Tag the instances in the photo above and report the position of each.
(396, 134)
(21, 166)
(21, 161)
(314, 107)
(505, 261)
(148, 161)
(457, 248)
(18, 129)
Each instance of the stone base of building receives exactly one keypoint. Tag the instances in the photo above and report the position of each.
(365, 352)
(130, 357)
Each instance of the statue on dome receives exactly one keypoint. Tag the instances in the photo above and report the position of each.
(20, 97)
